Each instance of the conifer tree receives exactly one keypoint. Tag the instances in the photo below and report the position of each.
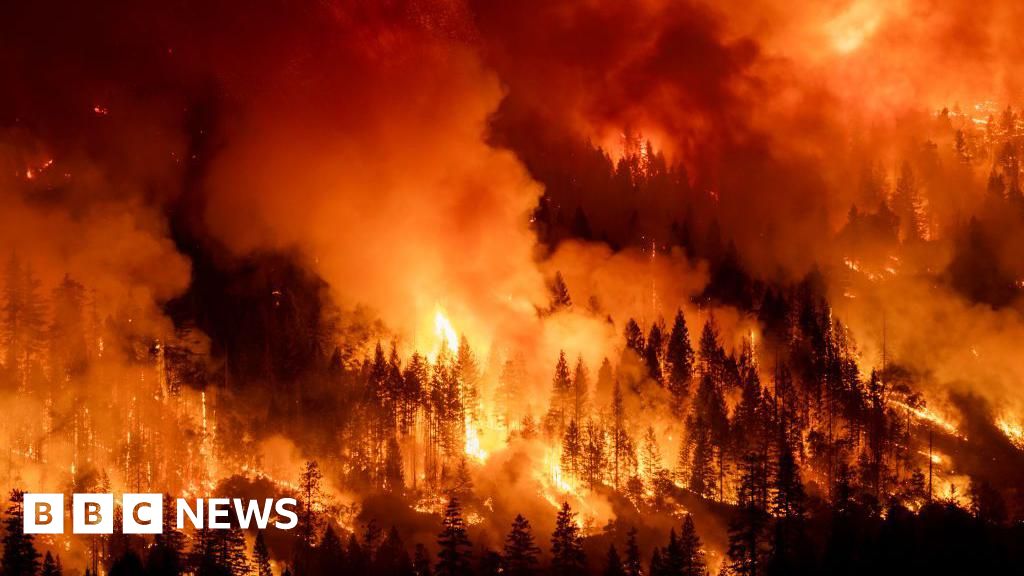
(634, 338)
(468, 373)
(357, 560)
(787, 506)
(679, 363)
(691, 554)
(572, 451)
(746, 530)
(671, 557)
(657, 565)
(129, 564)
(167, 555)
(421, 561)
(613, 566)
(51, 567)
(311, 494)
(632, 564)
(567, 557)
(711, 354)
(20, 557)
(654, 353)
(261, 557)
(594, 456)
(580, 392)
(453, 542)
(561, 389)
(392, 559)
(330, 554)
(560, 298)
(520, 555)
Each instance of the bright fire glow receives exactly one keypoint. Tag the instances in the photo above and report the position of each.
(445, 332)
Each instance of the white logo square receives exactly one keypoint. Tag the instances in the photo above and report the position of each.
(93, 513)
(43, 513)
(142, 513)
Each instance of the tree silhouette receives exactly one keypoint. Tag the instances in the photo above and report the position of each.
(20, 557)
(51, 567)
(520, 555)
(691, 555)
(632, 565)
(567, 557)
(613, 566)
(455, 549)
(560, 298)
(261, 556)
(679, 363)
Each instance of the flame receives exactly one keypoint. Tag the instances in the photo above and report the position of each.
(445, 331)
(1013, 430)
(473, 447)
(929, 415)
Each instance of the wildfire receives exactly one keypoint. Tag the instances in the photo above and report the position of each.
(473, 447)
(445, 331)
(928, 415)
(1013, 430)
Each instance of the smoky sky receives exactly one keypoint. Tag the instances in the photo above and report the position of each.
(386, 147)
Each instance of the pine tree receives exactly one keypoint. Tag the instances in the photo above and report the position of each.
(580, 391)
(711, 354)
(594, 457)
(707, 431)
(690, 552)
(330, 554)
(561, 388)
(560, 298)
(654, 353)
(421, 561)
(679, 363)
(357, 559)
(701, 468)
(510, 386)
(622, 453)
(672, 555)
(20, 557)
(650, 457)
(454, 555)
(130, 564)
(51, 567)
(67, 341)
(311, 494)
(567, 557)
(572, 451)
(468, 373)
(634, 338)
(520, 556)
(261, 556)
(394, 477)
(746, 530)
(614, 567)
(392, 559)
(907, 204)
(22, 323)
(657, 565)
(632, 564)
(236, 553)
(372, 537)
(489, 564)
(167, 555)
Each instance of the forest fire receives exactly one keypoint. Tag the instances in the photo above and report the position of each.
(711, 289)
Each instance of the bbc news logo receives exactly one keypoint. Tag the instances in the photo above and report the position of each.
(144, 513)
